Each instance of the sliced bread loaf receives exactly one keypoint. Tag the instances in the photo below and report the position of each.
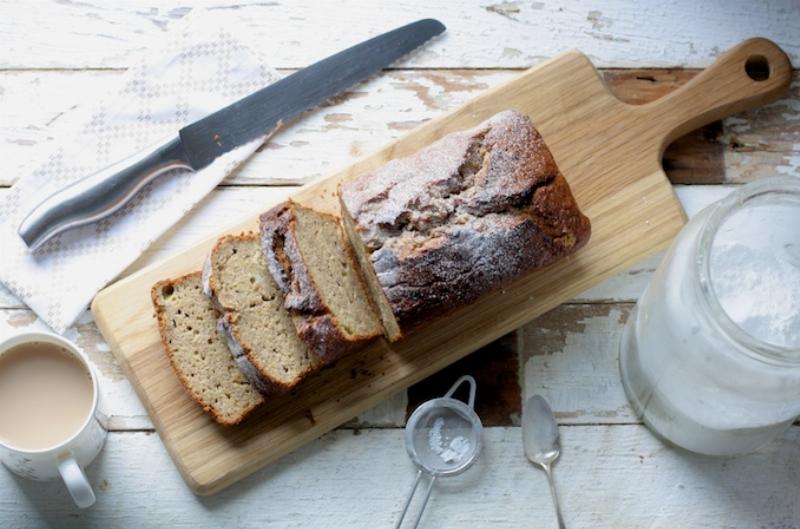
(260, 332)
(463, 216)
(187, 322)
(311, 261)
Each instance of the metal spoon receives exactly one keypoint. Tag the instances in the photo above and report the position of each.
(540, 438)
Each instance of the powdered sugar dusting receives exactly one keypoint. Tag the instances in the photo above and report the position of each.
(760, 292)
(462, 216)
(755, 271)
(449, 450)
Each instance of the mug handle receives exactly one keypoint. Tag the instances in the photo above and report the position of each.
(77, 483)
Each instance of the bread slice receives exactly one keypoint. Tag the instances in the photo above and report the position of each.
(187, 322)
(312, 263)
(465, 215)
(260, 332)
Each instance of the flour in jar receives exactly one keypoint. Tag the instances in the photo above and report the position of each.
(755, 274)
(689, 378)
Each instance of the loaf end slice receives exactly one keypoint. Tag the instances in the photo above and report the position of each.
(311, 261)
(198, 354)
(463, 216)
(259, 330)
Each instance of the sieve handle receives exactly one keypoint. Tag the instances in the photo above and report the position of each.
(411, 497)
(408, 500)
(472, 388)
(425, 501)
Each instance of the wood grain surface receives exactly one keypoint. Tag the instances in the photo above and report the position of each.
(610, 153)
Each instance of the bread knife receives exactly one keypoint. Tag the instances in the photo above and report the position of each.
(198, 144)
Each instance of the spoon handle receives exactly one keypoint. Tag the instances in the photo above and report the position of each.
(555, 496)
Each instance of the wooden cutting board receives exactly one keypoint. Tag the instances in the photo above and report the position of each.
(610, 153)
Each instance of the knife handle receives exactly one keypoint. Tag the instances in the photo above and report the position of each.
(100, 194)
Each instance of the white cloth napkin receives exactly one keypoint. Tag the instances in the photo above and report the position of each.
(200, 69)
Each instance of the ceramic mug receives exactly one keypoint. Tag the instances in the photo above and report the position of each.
(70, 456)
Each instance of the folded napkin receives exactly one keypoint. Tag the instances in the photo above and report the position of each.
(196, 72)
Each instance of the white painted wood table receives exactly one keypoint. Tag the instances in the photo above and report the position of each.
(613, 473)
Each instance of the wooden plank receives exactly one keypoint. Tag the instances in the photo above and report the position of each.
(497, 377)
(123, 407)
(496, 33)
(569, 356)
(225, 203)
(620, 477)
(609, 152)
(36, 109)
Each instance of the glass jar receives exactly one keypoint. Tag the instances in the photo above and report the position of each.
(710, 357)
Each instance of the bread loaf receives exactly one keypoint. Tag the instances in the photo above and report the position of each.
(470, 212)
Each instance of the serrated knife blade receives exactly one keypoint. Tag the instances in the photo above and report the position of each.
(200, 143)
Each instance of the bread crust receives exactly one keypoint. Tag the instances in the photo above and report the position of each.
(155, 292)
(462, 217)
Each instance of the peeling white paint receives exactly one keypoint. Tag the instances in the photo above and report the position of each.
(617, 33)
(791, 164)
(619, 477)
(609, 476)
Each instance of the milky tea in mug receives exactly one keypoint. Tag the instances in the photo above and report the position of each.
(49, 420)
(46, 395)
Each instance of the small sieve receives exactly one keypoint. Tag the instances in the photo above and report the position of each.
(443, 438)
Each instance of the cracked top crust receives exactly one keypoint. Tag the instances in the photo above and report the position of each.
(463, 216)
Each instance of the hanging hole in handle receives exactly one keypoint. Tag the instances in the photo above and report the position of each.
(757, 68)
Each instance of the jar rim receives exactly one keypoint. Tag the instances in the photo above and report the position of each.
(722, 210)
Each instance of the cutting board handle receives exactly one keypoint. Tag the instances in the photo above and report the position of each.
(751, 74)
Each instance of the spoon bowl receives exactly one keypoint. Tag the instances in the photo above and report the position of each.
(539, 431)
